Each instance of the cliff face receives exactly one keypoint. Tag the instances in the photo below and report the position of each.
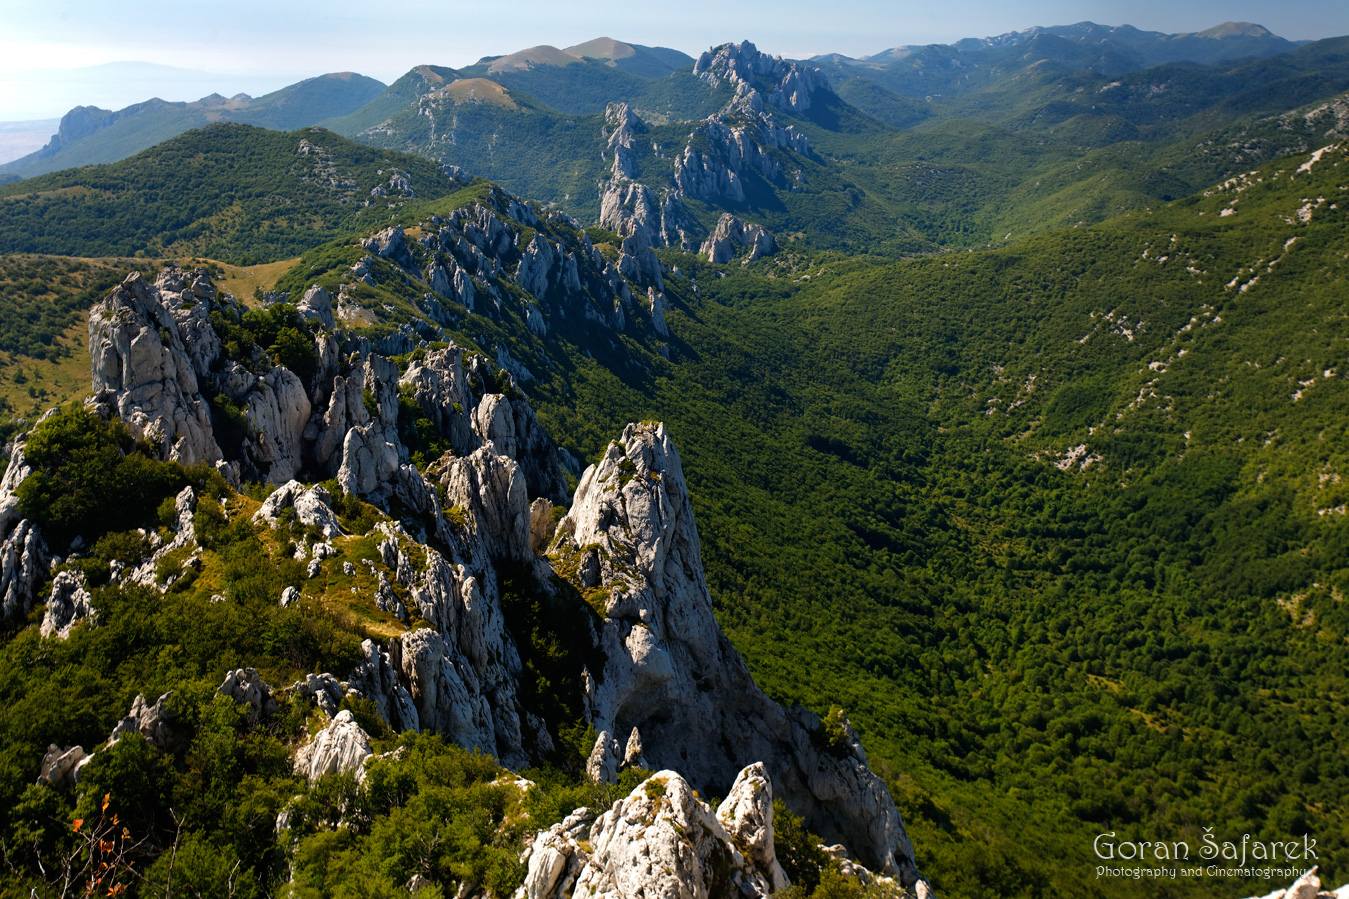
(664, 689)
(672, 680)
(721, 151)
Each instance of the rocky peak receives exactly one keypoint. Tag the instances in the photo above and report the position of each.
(671, 673)
(732, 235)
(790, 86)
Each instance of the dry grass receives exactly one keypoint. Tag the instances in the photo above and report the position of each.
(242, 280)
(31, 386)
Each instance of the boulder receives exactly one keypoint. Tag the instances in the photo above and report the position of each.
(60, 767)
(312, 505)
(317, 306)
(70, 603)
(658, 841)
(340, 747)
(245, 686)
(323, 690)
(157, 723)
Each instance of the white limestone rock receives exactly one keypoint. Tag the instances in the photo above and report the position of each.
(747, 815)
(440, 388)
(23, 568)
(671, 672)
(1308, 886)
(157, 723)
(244, 686)
(60, 767)
(658, 841)
(141, 368)
(312, 505)
(473, 705)
(536, 261)
(732, 235)
(340, 747)
(323, 690)
(277, 411)
(69, 604)
(376, 677)
(317, 306)
(492, 492)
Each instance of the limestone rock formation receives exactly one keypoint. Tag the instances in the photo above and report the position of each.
(142, 370)
(157, 723)
(70, 603)
(317, 306)
(323, 690)
(243, 685)
(672, 674)
(732, 235)
(23, 567)
(1308, 886)
(312, 505)
(377, 678)
(791, 85)
(341, 746)
(660, 841)
(60, 767)
(663, 684)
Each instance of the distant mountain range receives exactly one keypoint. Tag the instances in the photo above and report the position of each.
(584, 78)
(89, 135)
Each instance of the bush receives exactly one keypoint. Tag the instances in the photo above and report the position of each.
(88, 478)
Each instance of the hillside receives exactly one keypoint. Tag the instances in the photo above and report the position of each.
(917, 483)
(1040, 134)
(90, 136)
(1014, 445)
(231, 192)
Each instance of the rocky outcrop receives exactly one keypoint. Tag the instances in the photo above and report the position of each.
(60, 767)
(1308, 886)
(69, 604)
(142, 370)
(663, 685)
(244, 686)
(472, 701)
(324, 690)
(790, 86)
(732, 235)
(491, 492)
(340, 747)
(317, 306)
(661, 841)
(159, 724)
(672, 674)
(312, 507)
(23, 568)
(377, 678)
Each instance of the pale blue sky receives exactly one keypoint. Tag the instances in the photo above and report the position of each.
(257, 45)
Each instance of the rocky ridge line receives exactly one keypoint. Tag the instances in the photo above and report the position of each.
(670, 680)
(736, 141)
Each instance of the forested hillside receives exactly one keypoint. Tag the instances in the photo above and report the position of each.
(1016, 454)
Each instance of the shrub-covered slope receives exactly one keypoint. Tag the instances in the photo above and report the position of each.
(232, 192)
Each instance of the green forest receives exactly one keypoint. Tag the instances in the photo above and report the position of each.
(1026, 451)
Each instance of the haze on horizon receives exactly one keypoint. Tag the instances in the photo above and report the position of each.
(55, 55)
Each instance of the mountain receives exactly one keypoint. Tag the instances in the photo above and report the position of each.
(955, 69)
(1052, 523)
(230, 191)
(629, 674)
(88, 135)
